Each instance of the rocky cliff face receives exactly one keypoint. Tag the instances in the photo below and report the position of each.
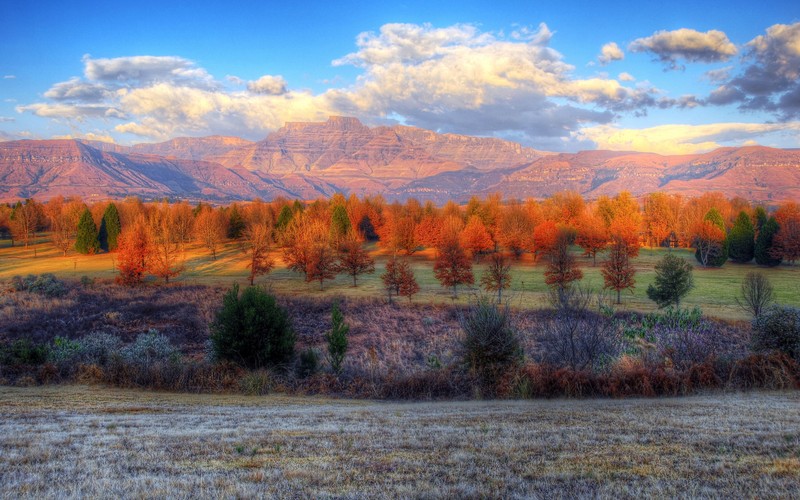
(309, 160)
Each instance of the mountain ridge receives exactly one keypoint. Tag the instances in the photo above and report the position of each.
(311, 159)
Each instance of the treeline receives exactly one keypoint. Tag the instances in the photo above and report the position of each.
(324, 238)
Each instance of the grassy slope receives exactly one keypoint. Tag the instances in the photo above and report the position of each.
(715, 289)
(85, 441)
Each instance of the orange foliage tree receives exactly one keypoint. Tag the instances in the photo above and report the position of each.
(475, 238)
(545, 236)
(453, 267)
(562, 267)
(353, 259)
(618, 272)
(132, 252)
(398, 279)
(592, 236)
(257, 241)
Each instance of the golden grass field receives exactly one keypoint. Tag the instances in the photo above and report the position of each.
(715, 291)
(81, 441)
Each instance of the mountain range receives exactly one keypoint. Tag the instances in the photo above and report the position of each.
(309, 160)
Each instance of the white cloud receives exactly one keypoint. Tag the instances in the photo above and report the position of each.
(686, 44)
(610, 52)
(268, 84)
(7, 119)
(456, 79)
(9, 77)
(680, 139)
(626, 77)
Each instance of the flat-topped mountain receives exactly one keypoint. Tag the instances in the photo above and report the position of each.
(308, 160)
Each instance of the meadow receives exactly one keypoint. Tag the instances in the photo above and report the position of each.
(78, 441)
(715, 290)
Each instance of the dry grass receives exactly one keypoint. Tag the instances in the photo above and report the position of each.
(73, 441)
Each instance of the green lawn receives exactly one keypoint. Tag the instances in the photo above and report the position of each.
(715, 289)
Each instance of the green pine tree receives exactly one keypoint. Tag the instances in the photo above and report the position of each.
(86, 242)
(759, 218)
(110, 227)
(741, 239)
(236, 223)
(673, 281)
(337, 339)
(763, 249)
(284, 218)
(340, 223)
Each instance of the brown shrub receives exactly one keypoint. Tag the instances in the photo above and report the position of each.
(48, 373)
(765, 371)
(89, 374)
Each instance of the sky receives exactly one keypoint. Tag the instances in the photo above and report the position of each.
(667, 77)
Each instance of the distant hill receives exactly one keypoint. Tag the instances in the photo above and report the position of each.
(308, 160)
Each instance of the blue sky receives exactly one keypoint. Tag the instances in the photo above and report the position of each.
(670, 77)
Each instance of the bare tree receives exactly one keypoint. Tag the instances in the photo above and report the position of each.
(258, 239)
(756, 293)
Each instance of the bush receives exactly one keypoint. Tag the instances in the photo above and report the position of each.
(778, 329)
(308, 364)
(490, 342)
(150, 348)
(46, 285)
(255, 383)
(99, 348)
(252, 330)
(576, 335)
(22, 352)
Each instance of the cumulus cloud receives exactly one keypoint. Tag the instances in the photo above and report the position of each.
(681, 139)
(268, 84)
(770, 78)
(455, 79)
(626, 77)
(610, 52)
(669, 47)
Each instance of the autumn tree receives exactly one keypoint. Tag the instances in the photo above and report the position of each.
(257, 240)
(86, 241)
(25, 220)
(660, 217)
(672, 282)
(786, 243)
(181, 223)
(453, 267)
(618, 272)
(210, 229)
(711, 240)
(475, 238)
(354, 260)
(110, 227)
(515, 230)
(497, 276)
(764, 252)
(545, 236)
(398, 279)
(166, 259)
(562, 267)
(64, 217)
(310, 252)
(592, 236)
(741, 239)
(133, 249)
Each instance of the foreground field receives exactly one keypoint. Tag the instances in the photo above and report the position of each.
(715, 289)
(74, 441)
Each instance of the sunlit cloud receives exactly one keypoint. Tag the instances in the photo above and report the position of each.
(610, 52)
(681, 139)
(268, 84)
(626, 77)
(685, 44)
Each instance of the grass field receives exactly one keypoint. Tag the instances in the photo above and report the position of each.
(715, 289)
(76, 441)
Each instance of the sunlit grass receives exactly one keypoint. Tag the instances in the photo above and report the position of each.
(715, 291)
